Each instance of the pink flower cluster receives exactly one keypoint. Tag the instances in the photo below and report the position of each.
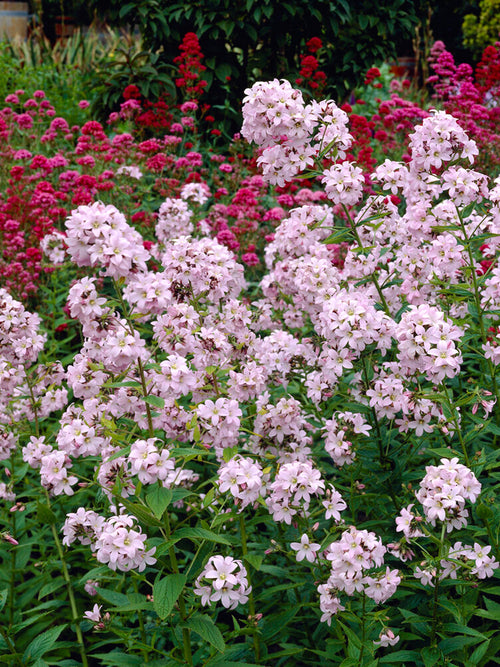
(340, 431)
(291, 133)
(99, 235)
(174, 220)
(352, 557)
(223, 580)
(244, 479)
(473, 100)
(114, 541)
(444, 491)
(292, 490)
(20, 337)
(476, 561)
(427, 343)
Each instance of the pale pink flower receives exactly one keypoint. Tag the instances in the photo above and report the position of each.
(94, 615)
(387, 638)
(305, 549)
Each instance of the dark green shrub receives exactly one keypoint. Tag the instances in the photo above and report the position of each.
(263, 39)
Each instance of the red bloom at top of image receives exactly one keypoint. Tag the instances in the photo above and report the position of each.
(314, 44)
(372, 74)
(131, 92)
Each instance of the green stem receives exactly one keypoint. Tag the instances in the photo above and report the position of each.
(452, 410)
(186, 635)
(251, 600)
(11, 646)
(12, 554)
(141, 625)
(361, 654)
(373, 277)
(69, 588)
(436, 586)
(492, 540)
(477, 300)
(145, 393)
(33, 402)
(140, 367)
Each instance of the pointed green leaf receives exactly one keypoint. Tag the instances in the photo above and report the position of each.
(113, 597)
(201, 534)
(158, 500)
(142, 514)
(118, 659)
(165, 593)
(44, 514)
(206, 628)
(410, 657)
(42, 644)
(50, 587)
(254, 560)
(4, 594)
(155, 401)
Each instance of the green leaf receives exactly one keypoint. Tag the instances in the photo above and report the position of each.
(42, 644)
(490, 426)
(201, 534)
(113, 597)
(44, 514)
(228, 453)
(165, 593)
(268, 11)
(126, 9)
(431, 656)
(254, 560)
(50, 587)
(276, 622)
(136, 602)
(116, 659)
(443, 452)
(218, 661)
(452, 644)
(363, 21)
(492, 610)
(155, 401)
(95, 573)
(355, 643)
(158, 500)
(411, 657)
(206, 628)
(479, 652)
(209, 498)
(23, 554)
(4, 594)
(142, 514)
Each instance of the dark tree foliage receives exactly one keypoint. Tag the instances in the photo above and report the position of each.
(263, 38)
(446, 24)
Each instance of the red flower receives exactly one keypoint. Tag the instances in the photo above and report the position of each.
(314, 44)
(131, 92)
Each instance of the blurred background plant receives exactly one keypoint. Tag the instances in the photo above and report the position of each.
(262, 40)
(135, 43)
(481, 29)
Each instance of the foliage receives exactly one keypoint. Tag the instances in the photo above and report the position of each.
(265, 39)
(249, 404)
(483, 30)
(473, 100)
(66, 70)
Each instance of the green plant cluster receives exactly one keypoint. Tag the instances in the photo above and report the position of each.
(263, 39)
(480, 31)
(66, 71)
